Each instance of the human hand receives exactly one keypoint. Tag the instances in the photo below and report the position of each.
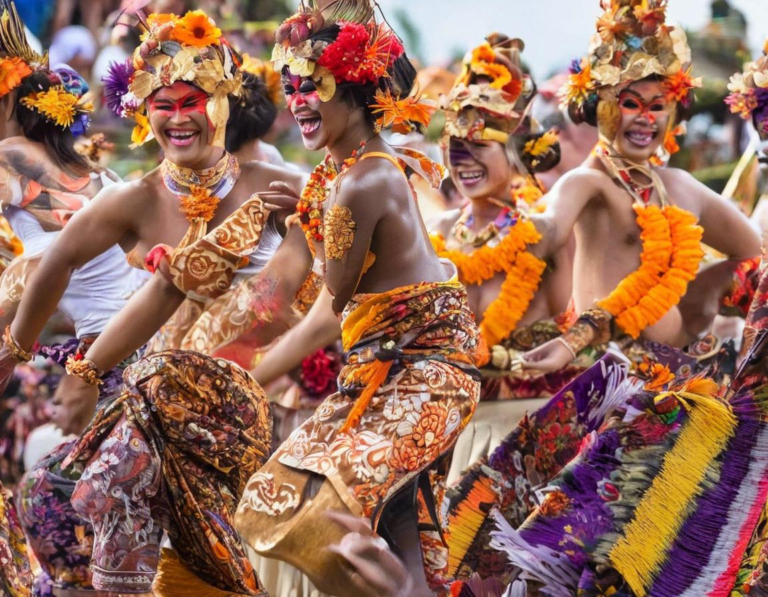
(74, 404)
(550, 356)
(280, 196)
(377, 571)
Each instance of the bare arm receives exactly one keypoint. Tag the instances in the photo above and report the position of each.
(136, 323)
(565, 202)
(361, 201)
(318, 329)
(101, 224)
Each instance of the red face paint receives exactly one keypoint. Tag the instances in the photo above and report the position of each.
(633, 104)
(300, 91)
(187, 105)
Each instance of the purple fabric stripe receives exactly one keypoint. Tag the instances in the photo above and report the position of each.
(691, 549)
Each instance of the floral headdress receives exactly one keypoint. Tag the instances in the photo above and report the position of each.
(190, 49)
(494, 109)
(632, 42)
(749, 90)
(343, 44)
(61, 107)
(17, 58)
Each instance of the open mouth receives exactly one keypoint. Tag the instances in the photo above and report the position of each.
(471, 178)
(181, 138)
(641, 138)
(309, 124)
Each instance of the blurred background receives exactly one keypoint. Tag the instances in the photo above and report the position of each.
(723, 35)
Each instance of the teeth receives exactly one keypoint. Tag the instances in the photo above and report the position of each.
(309, 125)
(177, 135)
(471, 176)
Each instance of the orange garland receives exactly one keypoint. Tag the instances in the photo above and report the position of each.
(669, 261)
(523, 270)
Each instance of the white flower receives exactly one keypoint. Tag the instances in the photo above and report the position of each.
(680, 45)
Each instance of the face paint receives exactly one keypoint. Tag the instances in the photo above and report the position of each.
(300, 91)
(632, 104)
(187, 105)
(458, 152)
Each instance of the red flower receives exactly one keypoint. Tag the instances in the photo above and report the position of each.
(358, 56)
(319, 372)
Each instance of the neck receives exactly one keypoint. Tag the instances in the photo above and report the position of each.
(484, 211)
(209, 162)
(350, 141)
(248, 152)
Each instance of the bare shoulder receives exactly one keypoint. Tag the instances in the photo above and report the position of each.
(443, 223)
(262, 174)
(375, 178)
(584, 175)
(135, 195)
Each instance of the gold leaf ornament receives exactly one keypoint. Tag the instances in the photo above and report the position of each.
(339, 232)
(325, 83)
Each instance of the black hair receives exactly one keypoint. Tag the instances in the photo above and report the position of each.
(537, 164)
(59, 142)
(251, 115)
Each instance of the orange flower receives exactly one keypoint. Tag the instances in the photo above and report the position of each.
(200, 204)
(12, 72)
(610, 25)
(554, 504)
(197, 30)
(669, 260)
(483, 53)
(523, 277)
(141, 130)
(579, 85)
(679, 85)
(498, 73)
(401, 115)
(658, 375)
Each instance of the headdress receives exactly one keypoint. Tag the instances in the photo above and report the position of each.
(749, 90)
(342, 45)
(57, 105)
(490, 98)
(189, 49)
(632, 42)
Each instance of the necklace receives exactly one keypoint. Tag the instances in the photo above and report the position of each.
(463, 233)
(621, 169)
(200, 191)
(317, 190)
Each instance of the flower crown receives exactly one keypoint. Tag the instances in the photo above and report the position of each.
(356, 50)
(749, 90)
(491, 110)
(190, 49)
(632, 42)
(62, 108)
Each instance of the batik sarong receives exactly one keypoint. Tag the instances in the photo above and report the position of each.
(408, 389)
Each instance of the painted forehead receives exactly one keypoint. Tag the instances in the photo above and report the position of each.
(179, 91)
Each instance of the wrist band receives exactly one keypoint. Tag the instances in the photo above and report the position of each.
(567, 342)
(85, 369)
(17, 352)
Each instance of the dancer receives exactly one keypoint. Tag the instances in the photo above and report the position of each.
(201, 200)
(409, 385)
(518, 284)
(638, 233)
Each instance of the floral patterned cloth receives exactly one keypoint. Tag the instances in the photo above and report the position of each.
(15, 575)
(418, 403)
(173, 452)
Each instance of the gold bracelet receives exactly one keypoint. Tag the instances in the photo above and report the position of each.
(17, 352)
(85, 369)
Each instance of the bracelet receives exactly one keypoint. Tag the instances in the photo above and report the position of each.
(85, 369)
(570, 343)
(17, 352)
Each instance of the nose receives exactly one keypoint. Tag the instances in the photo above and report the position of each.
(179, 116)
(647, 116)
(298, 100)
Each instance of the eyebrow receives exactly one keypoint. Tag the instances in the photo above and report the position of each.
(194, 95)
(640, 97)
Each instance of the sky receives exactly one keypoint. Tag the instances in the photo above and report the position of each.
(554, 31)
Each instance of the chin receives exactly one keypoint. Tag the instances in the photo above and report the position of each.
(636, 153)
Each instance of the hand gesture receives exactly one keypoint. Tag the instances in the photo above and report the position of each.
(550, 356)
(74, 404)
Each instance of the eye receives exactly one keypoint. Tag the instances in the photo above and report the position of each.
(656, 107)
(163, 107)
(190, 103)
(307, 86)
(630, 104)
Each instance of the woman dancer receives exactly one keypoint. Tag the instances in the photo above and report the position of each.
(202, 202)
(409, 386)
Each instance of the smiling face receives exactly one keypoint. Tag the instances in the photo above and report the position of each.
(645, 116)
(480, 169)
(321, 123)
(178, 119)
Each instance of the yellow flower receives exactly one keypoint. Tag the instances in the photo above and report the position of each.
(542, 145)
(579, 85)
(141, 130)
(196, 29)
(56, 104)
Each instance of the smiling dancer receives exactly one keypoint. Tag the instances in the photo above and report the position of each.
(639, 230)
(177, 88)
(409, 386)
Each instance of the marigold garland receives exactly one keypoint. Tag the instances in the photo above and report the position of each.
(523, 276)
(669, 260)
(200, 203)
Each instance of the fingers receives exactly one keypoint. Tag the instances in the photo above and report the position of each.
(377, 572)
(282, 187)
(353, 524)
